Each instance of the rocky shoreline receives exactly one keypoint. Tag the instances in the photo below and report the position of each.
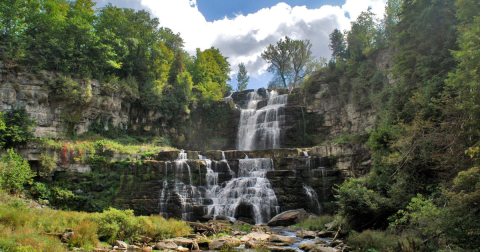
(224, 235)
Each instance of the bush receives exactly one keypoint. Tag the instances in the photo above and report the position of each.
(48, 164)
(14, 172)
(116, 224)
(15, 127)
(85, 235)
(40, 191)
(363, 208)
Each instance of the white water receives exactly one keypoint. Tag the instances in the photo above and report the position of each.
(228, 98)
(250, 187)
(261, 128)
(178, 191)
(312, 196)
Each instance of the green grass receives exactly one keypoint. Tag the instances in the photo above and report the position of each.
(377, 240)
(315, 224)
(243, 228)
(96, 143)
(23, 228)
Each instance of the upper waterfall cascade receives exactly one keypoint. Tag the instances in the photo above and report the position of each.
(261, 128)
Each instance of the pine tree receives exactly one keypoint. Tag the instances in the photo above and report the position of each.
(242, 77)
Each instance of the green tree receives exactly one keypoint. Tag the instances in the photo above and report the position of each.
(17, 127)
(289, 60)
(15, 172)
(210, 74)
(361, 37)
(301, 55)
(242, 77)
(391, 17)
(2, 129)
(337, 44)
(279, 59)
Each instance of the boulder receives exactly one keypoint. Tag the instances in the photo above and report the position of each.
(206, 218)
(280, 249)
(258, 236)
(183, 242)
(121, 244)
(182, 249)
(222, 218)
(325, 249)
(324, 234)
(288, 218)
(282, 239)
(218, 243)
(307, 246)
(164, 246)
(253, 244)
(329, 225)
(133, 248)
(304, 234)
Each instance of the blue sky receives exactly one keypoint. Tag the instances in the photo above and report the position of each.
(218, 9)
(242, 29)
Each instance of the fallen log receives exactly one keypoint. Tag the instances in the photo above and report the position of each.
(201, 227)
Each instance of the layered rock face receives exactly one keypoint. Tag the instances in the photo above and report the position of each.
(211, 182)
(28, 90)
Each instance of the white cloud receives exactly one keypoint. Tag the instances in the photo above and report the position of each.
(243, 38)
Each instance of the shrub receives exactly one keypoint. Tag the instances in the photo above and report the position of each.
(40, 191)
(15, 172)
(362, 208)
(85, 235)
(117, 224)
(15, 127)
(48, 164)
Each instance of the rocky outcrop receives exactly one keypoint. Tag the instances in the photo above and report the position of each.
(288, 218)
(28, 90)
(353, 160)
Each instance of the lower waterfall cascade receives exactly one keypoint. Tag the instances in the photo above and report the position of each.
(250, 188)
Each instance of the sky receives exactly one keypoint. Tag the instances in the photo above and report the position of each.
(242, 29)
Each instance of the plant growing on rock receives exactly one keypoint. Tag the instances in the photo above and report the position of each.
(14, 172)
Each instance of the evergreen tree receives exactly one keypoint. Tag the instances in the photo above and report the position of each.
(242, 77)
(337, 44)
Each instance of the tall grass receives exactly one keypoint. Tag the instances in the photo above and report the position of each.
(23, 228)
(376, 240)
(115, 145)
(315, 224)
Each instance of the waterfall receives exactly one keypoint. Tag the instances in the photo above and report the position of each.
(228, 98)
(261, 128)
(251, 188)
(224, 160)
(312, 196)
(177, 191)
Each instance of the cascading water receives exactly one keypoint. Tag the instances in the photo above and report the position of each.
(177, 191)
(224, 160)
(228, 98)
(312, 196)
(251, 188)
(261, 128)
